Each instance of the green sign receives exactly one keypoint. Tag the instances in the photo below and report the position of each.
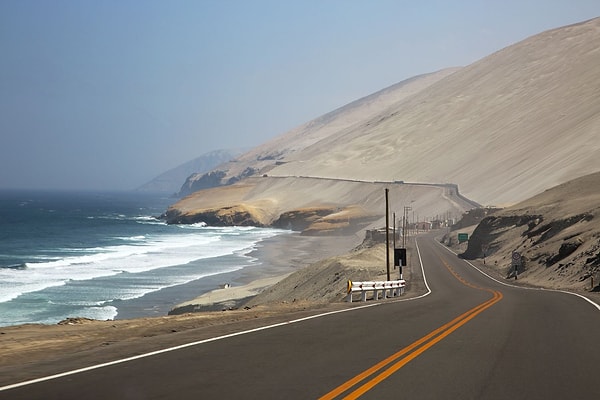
(463, 237)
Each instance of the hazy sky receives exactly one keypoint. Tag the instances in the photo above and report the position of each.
(108, 94)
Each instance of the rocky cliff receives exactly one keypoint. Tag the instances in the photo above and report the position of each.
(557, 234)
(314, 205)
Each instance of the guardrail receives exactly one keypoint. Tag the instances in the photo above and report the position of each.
(393, 288)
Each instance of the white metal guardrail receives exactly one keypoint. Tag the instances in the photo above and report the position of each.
(386, 288)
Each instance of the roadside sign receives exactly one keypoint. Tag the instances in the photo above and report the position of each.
(400, 257)
(516, 258)
(516, 262)
(463, 237)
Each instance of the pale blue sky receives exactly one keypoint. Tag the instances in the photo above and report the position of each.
(108, 94)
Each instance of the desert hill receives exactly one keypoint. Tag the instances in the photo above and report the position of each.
(557, 233)
(263, 158)
(504, 128)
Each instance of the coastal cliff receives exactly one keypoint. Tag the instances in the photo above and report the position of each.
(314, 206)
(226, 216)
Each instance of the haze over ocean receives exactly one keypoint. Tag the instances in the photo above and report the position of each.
(78, 254)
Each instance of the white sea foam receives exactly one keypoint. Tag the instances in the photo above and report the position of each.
(138, 254)
(132, 238)
(148, 220)
(100, 313)
(144, 218)
(15, 284)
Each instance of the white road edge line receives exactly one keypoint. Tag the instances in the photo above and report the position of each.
(424, 280)
(593, 303)
(169, 349)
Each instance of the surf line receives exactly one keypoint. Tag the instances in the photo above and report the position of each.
(412, 351)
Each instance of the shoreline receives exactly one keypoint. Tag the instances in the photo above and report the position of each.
(277, 257)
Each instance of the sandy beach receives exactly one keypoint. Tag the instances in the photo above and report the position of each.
(278, 257)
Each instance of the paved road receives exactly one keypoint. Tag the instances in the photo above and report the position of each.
(470, 338)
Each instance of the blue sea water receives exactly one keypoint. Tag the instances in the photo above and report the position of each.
(66, 254)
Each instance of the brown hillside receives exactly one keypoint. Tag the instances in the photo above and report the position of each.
(557, 232)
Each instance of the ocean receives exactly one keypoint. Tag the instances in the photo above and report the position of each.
(80, 254)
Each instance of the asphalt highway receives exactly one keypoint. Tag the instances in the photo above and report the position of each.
(466, 337)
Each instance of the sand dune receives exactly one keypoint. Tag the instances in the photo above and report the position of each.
(505, 128)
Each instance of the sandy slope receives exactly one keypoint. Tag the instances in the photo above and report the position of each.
(504, 128)
(279, 149)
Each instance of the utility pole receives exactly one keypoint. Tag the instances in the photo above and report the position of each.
(394, 230)
(405, 224)
(387, 234)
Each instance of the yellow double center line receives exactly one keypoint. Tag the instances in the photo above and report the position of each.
(404, 356)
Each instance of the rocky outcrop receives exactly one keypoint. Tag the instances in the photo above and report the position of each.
(485, 236)
(226, 216)
(317, 221)
(212, 179)
(301, 219)
(483, 240)
(557, 234)
(553, 228)
(197, 182)
(312, 221)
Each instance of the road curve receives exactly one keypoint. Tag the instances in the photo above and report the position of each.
(469, 338)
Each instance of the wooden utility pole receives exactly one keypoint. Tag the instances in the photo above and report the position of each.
(394, 232)
(405, 224)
